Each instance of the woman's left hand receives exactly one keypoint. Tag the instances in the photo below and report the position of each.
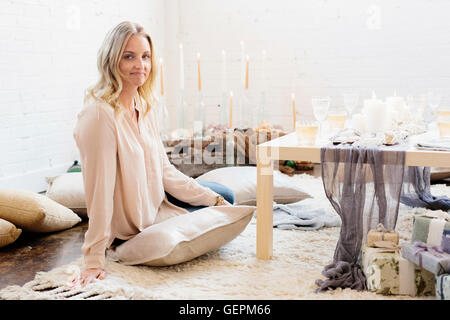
(222, 202)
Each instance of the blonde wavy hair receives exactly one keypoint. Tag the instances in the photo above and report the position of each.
(110, 85)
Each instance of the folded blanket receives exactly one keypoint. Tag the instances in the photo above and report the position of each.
(302, 216)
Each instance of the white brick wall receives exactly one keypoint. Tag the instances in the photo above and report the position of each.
(313, 47)
(46, 62)
(317, 47)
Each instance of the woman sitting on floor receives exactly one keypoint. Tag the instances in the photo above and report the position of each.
(125, 168)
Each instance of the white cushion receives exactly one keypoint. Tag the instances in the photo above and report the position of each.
(35, 212)
(184, 237)
(242, 180)
(68, 189)
(8, 233)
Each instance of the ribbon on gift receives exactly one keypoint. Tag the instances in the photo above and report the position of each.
(406, 277)
(389, 246)
(422, 247)
(383, 230)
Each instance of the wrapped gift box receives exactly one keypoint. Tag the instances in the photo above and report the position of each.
(381, 234)
(430, 258)
(388, 273)
(443, 287)
(429, 229)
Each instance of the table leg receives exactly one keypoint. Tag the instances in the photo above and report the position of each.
(264, 208)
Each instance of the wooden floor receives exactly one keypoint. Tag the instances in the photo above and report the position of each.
(33, 252)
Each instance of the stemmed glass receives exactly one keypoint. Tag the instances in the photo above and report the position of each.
(350, 102)
(164, 120)
(434, 97)
(320, 106)
(417, 105)
(337, 118)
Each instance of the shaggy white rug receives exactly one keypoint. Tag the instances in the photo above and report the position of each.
(232, 272)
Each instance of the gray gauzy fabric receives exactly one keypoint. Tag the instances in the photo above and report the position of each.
(416, 190)
(364, 187)
(301, 216)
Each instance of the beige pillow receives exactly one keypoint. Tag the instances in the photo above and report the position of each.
(184, 237)
(8, 233)
(35, 212)
(242, 180)
(68, 189)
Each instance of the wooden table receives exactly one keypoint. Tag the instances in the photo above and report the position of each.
(287, 148)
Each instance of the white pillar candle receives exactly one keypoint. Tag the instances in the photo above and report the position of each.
(396, 107)
(364, 104)
(358, 122)
(376, 115)
(181, 67)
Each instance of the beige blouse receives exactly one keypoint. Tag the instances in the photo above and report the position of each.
(125, 172)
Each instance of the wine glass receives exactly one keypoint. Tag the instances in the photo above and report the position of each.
(320, 106)
(350, 102)
(434, 97)
(337, 117)
(416, 105)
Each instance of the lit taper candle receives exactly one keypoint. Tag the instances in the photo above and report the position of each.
(199, 74)
(181, 67)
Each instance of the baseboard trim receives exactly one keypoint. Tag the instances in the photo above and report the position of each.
(33, 180)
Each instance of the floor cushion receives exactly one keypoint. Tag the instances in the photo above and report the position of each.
(184, 237)
(68, 189)
(34, 212)
(8, 233)
(242, 181)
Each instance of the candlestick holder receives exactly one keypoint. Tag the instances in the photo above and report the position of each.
(164, 120)
(182, 115)
(434, 97)
(320, 107)
(262, 111)
(224, 114)
(199, 117)
(350, 102)
(246, 116)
